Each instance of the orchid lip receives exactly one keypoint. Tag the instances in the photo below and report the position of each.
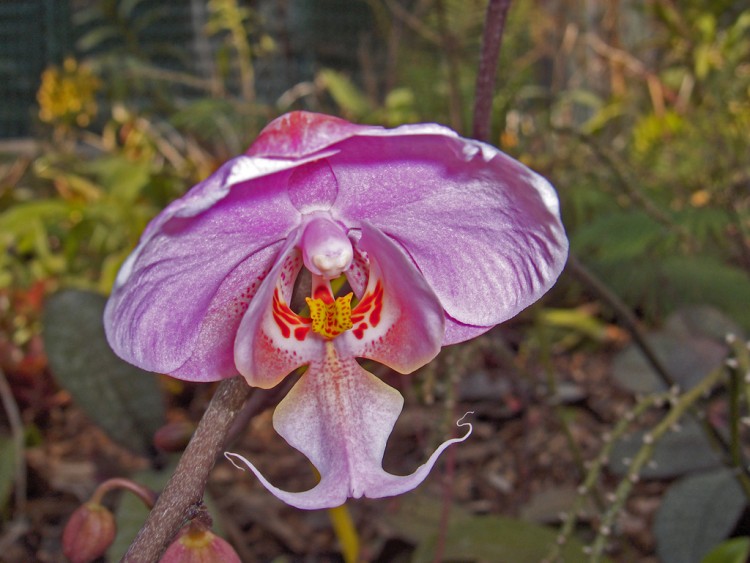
(354, 481)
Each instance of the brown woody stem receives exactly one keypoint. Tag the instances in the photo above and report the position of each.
(184, 492)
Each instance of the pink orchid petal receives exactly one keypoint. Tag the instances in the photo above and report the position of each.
(483, 229)
(402, 326)
(270, 343)
(193, 273)
(340, 417)
(300, 133)
(359, 270)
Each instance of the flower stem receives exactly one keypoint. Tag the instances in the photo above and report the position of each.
(144, 493)
(184, 492)
(346, 532)
(497, 12)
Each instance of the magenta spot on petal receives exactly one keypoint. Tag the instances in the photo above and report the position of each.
(313, 187)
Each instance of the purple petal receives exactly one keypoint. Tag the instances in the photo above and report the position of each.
(180, 296)
(483, 229)
(340, 417)
(399, 321)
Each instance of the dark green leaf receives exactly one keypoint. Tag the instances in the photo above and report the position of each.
(703, 321)
(697, 513)
(687, 358)
(500, 540)
(659, 285)
(675, 454)
(125, 401)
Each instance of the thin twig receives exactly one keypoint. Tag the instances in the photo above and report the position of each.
(185, 489)
(645, 453)
(497, 12)
(450, 52)
(413, 22)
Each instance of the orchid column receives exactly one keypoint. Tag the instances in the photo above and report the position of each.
(440, 238)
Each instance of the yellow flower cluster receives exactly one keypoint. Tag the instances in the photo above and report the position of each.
(67, 95)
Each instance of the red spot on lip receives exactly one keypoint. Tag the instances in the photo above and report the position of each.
(359, 331)
(285, 330)
(285, 318)
(371, 307)
(377, 307)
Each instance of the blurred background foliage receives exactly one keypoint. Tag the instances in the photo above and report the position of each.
(639, 113)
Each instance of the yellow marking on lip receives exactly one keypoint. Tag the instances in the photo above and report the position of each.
(331, 319)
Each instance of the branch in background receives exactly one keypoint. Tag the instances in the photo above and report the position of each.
(184, 492)
(497, 12)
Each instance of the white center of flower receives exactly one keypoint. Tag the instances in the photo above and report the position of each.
(326, 250)
(333, 266)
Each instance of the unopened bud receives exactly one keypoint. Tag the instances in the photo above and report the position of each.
(195, 544)
(89, 533)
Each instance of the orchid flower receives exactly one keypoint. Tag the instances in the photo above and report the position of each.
(439, 237)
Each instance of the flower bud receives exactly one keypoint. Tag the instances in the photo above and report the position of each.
(174, 436)
(89, 532)
(195, 544)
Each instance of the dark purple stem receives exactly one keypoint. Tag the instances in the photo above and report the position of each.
(497, 12)
(184, 492)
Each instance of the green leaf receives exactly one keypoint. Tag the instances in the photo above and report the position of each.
(126, 402)
(619, 236)
(345, 93)
(675, 454)
(697, 513)
(736, 550)
(97, 37)
(659, 285)
(22, 218)
(499, 539)
(474, 538)
(7, 469)
(122, 177)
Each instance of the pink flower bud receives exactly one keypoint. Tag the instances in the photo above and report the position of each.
(89, 532)
(195, 544)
